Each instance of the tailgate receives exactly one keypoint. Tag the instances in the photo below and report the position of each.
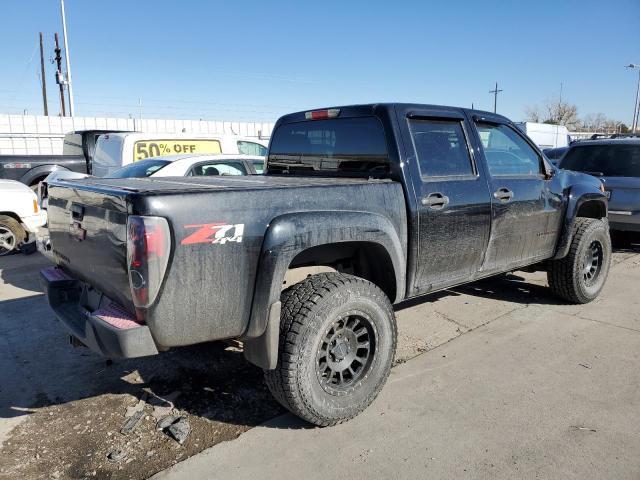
(88, 236)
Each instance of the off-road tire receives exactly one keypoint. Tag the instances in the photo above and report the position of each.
(12, 225)
(566, 276)
(310, 310)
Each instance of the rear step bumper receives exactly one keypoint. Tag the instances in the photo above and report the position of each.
(109, 331)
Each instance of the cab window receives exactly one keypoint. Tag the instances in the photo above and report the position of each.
(507, 153)
(218, 168)
(441, 148)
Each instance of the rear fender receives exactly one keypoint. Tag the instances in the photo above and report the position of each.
(291, 234)
(585, 198)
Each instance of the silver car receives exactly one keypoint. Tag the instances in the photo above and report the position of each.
(617, 163)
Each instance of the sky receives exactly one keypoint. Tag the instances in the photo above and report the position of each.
(256, 60)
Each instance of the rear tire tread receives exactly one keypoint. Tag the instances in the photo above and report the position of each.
(296, 302)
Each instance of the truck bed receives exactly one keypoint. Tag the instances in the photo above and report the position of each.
(220, 277)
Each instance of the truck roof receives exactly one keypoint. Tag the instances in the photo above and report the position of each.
(371, 109)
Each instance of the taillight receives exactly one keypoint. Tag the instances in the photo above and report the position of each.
(148, 246)
(322, 114)
(35, 206)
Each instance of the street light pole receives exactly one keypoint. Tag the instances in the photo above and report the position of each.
(67, 60)
(636, 106)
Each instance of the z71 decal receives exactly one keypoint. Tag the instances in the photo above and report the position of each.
(215, 233)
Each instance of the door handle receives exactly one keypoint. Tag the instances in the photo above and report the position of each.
(503, 194)
(435, 201)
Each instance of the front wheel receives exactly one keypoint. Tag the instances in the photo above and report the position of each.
(337, 343)
(580, 276)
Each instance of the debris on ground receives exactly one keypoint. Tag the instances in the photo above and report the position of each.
(585, 365)
(162, 405)
(116, 455)
(166, 421)
(179, 430)
(132, 422)
(138, 407)
(578, 427)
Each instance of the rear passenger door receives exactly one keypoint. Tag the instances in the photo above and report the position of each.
(527, 206)
(453, 201)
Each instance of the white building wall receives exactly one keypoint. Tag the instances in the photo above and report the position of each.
(40, 135)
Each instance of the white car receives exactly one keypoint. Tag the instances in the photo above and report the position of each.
(116, 150)
(20, 215)
(192, 165)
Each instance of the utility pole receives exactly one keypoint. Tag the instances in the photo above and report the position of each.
(44, 79)
(67, 59)
(636, 105)
(495, 98)
(60, 77)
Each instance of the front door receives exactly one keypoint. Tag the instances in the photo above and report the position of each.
(526, 204)
(453, 200)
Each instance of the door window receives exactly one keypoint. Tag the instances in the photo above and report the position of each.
(507, 153)
(218, 168)
(441, 148)
(251, 148)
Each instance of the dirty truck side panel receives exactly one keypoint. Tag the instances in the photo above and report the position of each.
(221, 275)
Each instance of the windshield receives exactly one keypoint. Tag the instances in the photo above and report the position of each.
(607, 160)
(352, 147)
(143, 168)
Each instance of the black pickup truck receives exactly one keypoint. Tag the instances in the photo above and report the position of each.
(361, 207)
(77, 154)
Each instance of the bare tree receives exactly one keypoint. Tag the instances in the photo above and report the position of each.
(532, 114)
(556, 113)
(561, 113)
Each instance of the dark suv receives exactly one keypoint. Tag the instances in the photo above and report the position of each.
(617, 163)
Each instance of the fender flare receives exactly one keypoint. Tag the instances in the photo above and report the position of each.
(40, 171)
(287, 236)
(578, 196)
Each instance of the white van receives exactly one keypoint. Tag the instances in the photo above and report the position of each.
(545, 135)
(115, 150)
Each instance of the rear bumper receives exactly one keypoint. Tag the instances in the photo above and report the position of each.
(624, 220)
(109, 331)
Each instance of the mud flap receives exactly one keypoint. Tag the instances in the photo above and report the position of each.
(262, 351)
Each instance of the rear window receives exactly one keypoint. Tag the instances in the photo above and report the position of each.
(349, 147)
(606, 160)
(143, 168)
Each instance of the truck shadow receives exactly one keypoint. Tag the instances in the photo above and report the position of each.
(511, 288)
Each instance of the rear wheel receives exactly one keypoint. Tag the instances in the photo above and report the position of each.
(11, 235)
(337, 342)
(580, 276)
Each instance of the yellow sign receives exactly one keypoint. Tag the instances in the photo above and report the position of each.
(161, 148)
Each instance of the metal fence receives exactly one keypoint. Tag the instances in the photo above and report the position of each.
(40, 135)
